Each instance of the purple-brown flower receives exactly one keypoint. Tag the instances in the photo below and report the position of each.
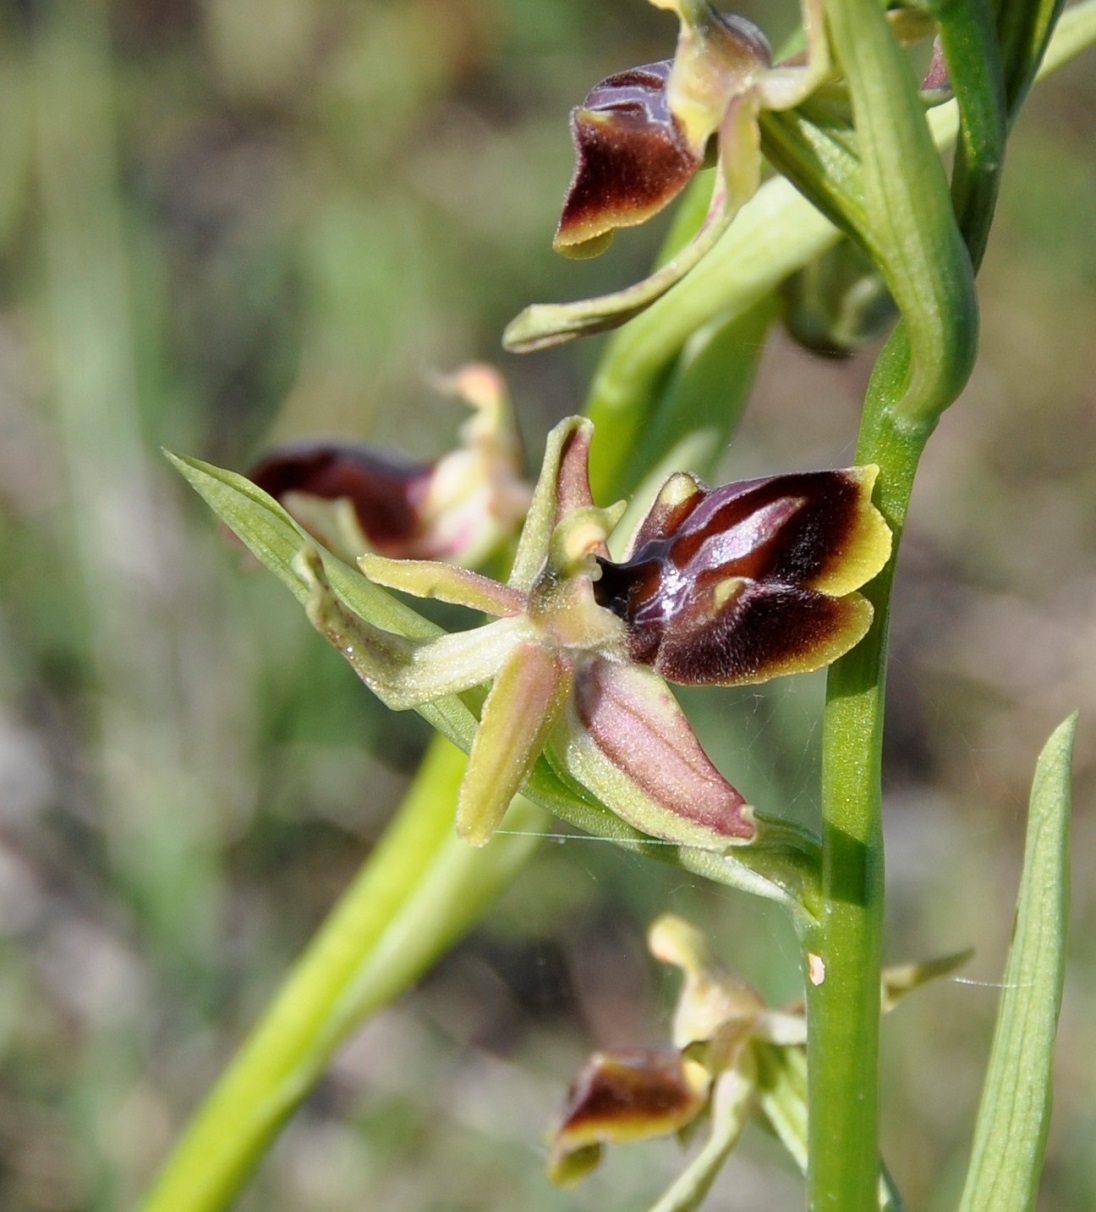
(721, 586)
(732, 1056)
(749, 581)
(642, 134)
(460, 507)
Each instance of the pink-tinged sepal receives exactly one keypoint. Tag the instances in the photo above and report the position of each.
(625, 737)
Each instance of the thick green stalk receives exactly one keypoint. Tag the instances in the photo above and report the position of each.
(843, 1006)
(420, 891)
(843, 996)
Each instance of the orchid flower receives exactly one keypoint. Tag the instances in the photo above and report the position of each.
(731, 1057)
(723, 586)
(641, 135)
(461, 507)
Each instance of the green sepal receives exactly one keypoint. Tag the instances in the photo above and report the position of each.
(517, 718)
(405, 673)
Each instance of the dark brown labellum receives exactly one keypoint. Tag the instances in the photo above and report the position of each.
(629, 1093)
(386, 494)
(631, 157)
(734, 584)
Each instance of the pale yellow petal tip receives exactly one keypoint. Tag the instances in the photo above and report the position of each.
(476, 824)
(673, 940)
(868, 546)
(579, 247)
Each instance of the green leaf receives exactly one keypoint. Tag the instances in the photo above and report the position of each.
(908, 212)
(1010, 1133)
(421, 890)
(1024, 28)
(969, 39)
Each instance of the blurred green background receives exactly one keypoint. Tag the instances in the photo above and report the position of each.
(224, 223)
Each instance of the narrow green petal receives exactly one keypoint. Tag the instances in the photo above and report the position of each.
(517, 719)
(444, 582)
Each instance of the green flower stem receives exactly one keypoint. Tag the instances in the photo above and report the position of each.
(843, 1007)
(915, 240)
(420, 891)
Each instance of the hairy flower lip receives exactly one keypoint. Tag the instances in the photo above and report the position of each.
(744, 582)
(631, 158)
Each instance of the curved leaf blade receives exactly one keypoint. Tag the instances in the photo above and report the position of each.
(1010, 1133)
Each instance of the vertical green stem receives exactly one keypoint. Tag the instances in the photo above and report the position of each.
(843, 1006)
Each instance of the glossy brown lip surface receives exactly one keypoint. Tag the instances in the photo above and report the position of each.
(720, 586)
(631, 158)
